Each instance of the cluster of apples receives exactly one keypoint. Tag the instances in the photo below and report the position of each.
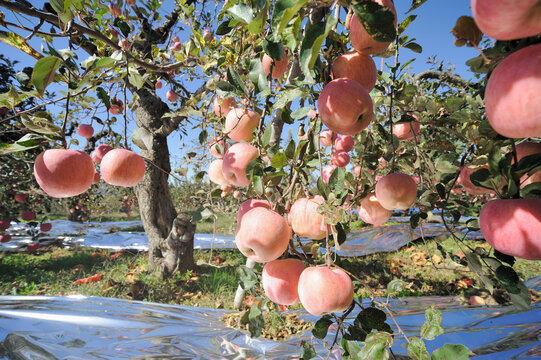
(513, 109)
(64, 173)
(263, 235)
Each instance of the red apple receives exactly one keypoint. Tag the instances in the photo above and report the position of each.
(215, 173)
(327, 172)
(361, 40)
(64, 173)
(406, 131)
(33, 247)
(218, 148)
(280, 279)
(525, 149)
(345, 106)
(114, 10)
(357, 170)
(249, 205)
(372, 212)
(44, 227)
(279, 68)
(122, 167)
(507, 19)
(512, 226)
(96, 178)
(177, 46)
(305, 220)
(323, 290)
(396, 191)
(344, 143)
(235, 161)
(171, 96)
(176, 39)
(326, 137)
(207, 35)
(28, 215)
(158, 84)
(116, 107)
(5, 224)
(222, 105)
(124, 44)
(240, 123)
(100, 152)
(467, 185)
(340, 158)
(477, 300)
(85, 130)
(358, 67)
(4, 238)
(20, 198)
(512, 92)
(312, 113)
(263, 235)
(237, 194)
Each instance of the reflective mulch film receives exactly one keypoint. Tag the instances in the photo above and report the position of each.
(43, 327)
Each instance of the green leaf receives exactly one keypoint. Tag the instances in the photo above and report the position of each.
(337, 180)
(532, 190)
(27, 142)
(413, 46)
(508, 278)
(224, 28)
(274, 49)
(290, 149)
(395, 286)
(20, 43)
(248, 278)
(286, 97)
(300, 113)
(41, 123)
(283, 12)
(236, 80)
(522, 299)
(256, 322)
(321, 327)
(62, 8)
(432, 326)
(142, 138)
(311, 44)
(415, 4)
(258, 184)
(375, 346)
(265, 139)
(257, 77)
(405, 23)
(45, 72)
(12, 98)
(241, 12)
(449, 351)
(370, 318)
(308, 351)
(279, 160)
(417, 349)
(377, 20)
(224, 88)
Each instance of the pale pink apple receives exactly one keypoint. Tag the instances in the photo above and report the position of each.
(124, 44)
(406, 131)
(85, 130)
(512, 93)
(249, 205)
(326, 137)
(345, 106)
(312, 113)
(96, 178)
(327, 172)
(507, 19)
(263, 235)
(222, 105)
(340, 158)
(358, 67)
(361, 40)
(512, 226)
(240, 123)
(235, 161)
(64, 173)
(279, 68)
(171, 95)
(116, 106)
(176, 46)
(372, 212)
(344, 143)
(280, 280)
(304, 219)
(464, 179)
(477, 300)
(122, 167)
(216, 174)
(324, 290)
(396, 191)
(100, 152)
(237, 194)
(218, 148)
(357, 170)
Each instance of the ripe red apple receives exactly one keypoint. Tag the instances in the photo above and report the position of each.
(64, 173)
(122, 167)
(305, 220)
(361, 40)
(158, 84)
(279, 68)
(323, 290)
(344, 143)
(476, 300)
(510, 94)
(177, 46)
(20, 198)
(207, 35)
(222, 105)
(100, 152)
(85, 130)
(240, 123)
(312, 113)
(171, 95)
(117, 106)
(512, 226)
(358, 67)
(5, 224)
(345, 106)
(124, 44)
(372, 212)
(507, 19)
(218, 148)
(237, 194)
(114, 10)
(176, 39)
(340, 158)
(525, 149)
(4, 238)
(33, 247)
(280, 279)
(326, 137)
(235, 161)
(215, 173)
(263, 235)
(406, 131)
(327, 172)
(28, 215)
(44, 227)
(467, 185)
(249, 205)
(396, 191)
(357, 170)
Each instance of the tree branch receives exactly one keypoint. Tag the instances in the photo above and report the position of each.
(443, 76)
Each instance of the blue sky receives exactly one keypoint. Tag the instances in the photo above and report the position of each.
(432, 29)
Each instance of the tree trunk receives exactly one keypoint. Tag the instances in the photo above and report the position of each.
(170, 237)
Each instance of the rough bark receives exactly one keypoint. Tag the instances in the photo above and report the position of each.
(170, 236)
